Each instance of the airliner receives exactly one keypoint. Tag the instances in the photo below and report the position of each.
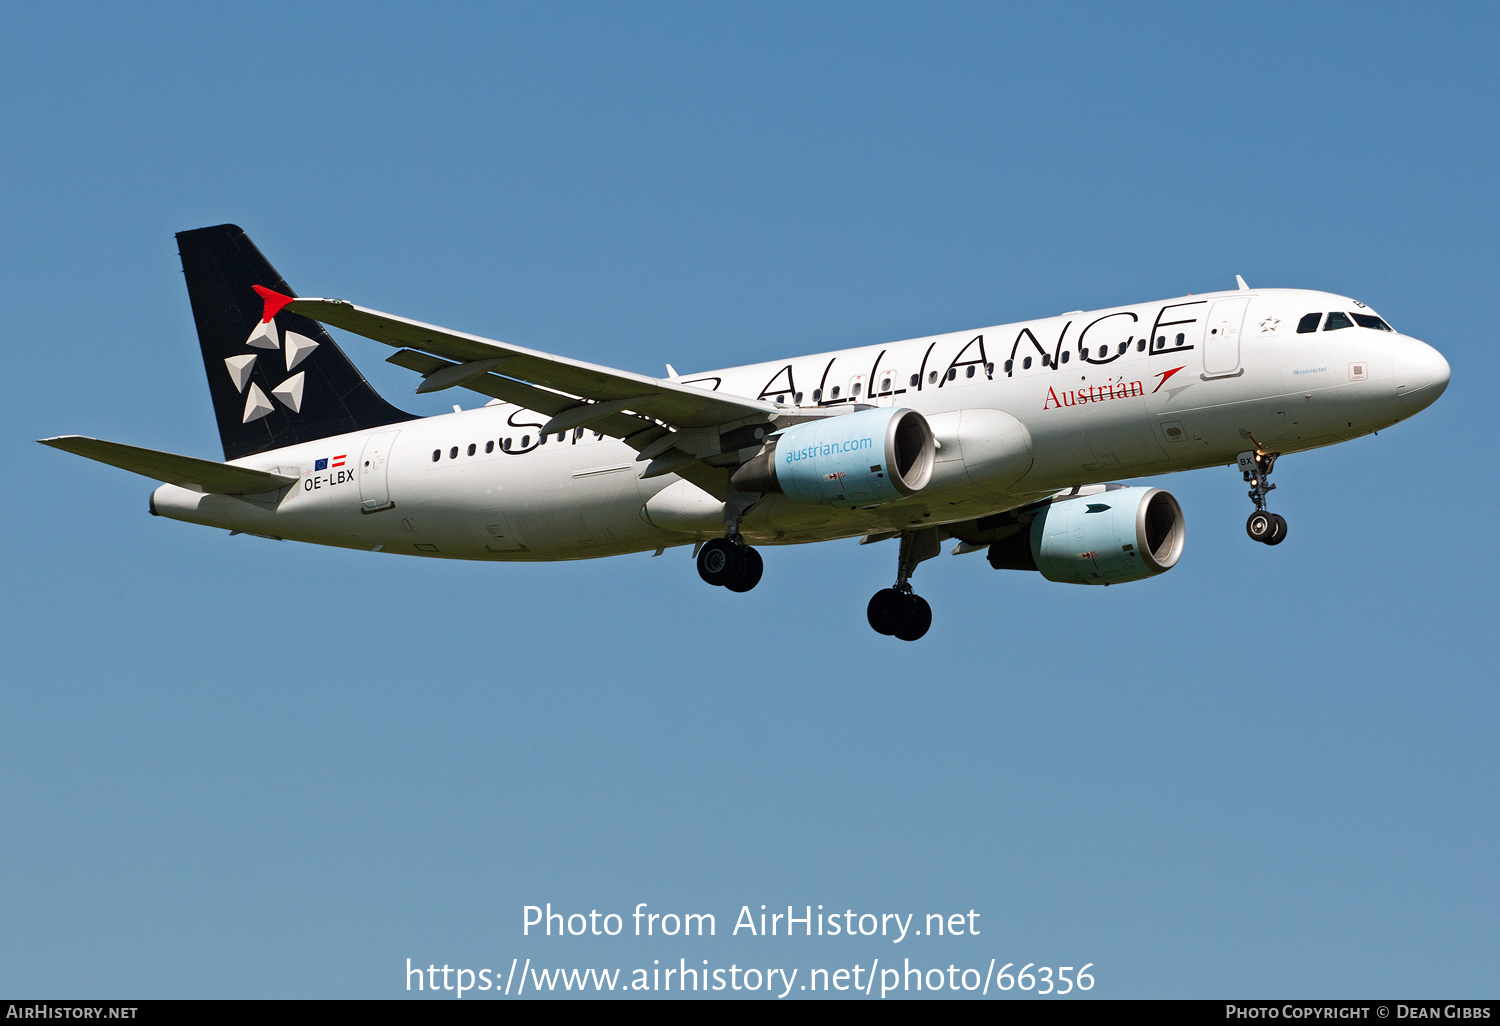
(1011, 440)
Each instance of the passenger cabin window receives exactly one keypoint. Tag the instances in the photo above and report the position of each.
(505, 445)
(799, 398)
(489, 446)
(1370, 321)
(855, 390)
(1026, 363)
(1336, 320)
(913, 382)
(1140, 346)
(541, 440)
(931, 377)
(473, 448)
(885, 384)
(577, 434)
(453, 453)
(1309, 322)
(561, 435)
(780, 399)
(437, 454)
(970, 372)
(817, 395)
(1066, 354)
(525, 441)
(952, 373)
(835, 394)
(1008, 365)
(1181, 338)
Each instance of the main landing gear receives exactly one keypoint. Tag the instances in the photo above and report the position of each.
(1262, 526)
(728, 562)
(899, 611)
(731, 564)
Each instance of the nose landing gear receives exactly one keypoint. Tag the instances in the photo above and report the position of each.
(1263, 526)
(900, 612)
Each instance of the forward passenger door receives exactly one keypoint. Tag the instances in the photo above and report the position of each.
(1221, 343)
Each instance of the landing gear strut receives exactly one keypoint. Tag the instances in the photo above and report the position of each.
(899, 611)
(728, 562)
(1263, 526)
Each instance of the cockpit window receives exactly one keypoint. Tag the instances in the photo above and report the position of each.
(1336, 320)
(1309, 322)
(1371, 321)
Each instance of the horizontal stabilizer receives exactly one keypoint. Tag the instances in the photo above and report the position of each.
(184, 471)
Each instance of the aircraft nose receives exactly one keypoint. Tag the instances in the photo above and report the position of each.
(1421, 374)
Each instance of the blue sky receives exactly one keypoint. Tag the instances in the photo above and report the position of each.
(240, 768)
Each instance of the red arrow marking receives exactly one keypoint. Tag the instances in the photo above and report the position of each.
(274, 302)
(1164, 375)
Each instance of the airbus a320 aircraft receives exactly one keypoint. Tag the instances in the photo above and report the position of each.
(1000, 438)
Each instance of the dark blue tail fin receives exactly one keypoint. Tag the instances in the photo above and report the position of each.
(276, 382)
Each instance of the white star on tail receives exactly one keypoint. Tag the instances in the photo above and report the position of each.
(239, 370)
(265, 336)
(298, 348)
(290, 392)
(256, 405)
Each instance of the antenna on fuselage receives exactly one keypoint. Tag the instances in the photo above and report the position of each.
(1243, 286)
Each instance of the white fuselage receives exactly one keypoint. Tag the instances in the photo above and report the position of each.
(1107, 394)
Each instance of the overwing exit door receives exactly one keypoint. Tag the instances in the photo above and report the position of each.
(1221, 339)
(374, 462)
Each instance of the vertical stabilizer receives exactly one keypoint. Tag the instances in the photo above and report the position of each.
(276, 378)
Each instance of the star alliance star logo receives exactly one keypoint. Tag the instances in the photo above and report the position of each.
(264, 336)
(1268, 326)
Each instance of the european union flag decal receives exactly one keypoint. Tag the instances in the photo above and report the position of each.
(320, 465)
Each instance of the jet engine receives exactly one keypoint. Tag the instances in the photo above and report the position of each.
(1124, 534)
(858, 459)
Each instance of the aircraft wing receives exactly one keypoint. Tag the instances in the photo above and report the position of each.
(185, 471)
(560, 386)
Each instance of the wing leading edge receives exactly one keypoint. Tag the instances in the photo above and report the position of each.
(570, 383)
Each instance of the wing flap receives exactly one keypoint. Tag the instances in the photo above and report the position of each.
(185, 471)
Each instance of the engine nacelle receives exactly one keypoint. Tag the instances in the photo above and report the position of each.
(858, 459)
(1126, 534)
